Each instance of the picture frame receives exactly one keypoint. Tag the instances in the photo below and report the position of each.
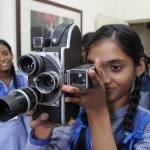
(24, 9)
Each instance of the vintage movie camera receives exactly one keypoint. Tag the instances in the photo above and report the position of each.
(52, 65)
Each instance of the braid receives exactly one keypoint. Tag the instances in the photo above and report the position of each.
(132, 111)
(14, 76)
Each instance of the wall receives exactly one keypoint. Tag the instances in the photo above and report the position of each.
(144, 34)
(104, 19)
(121, 9)
(8, 23)
(89, 8)
(136, 11)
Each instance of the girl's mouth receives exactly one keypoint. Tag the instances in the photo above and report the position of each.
(4, 64)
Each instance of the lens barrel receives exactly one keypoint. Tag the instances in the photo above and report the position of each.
(46, 82)
(18, 102)
(30, 64)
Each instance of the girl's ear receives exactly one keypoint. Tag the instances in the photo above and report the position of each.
(141, 67)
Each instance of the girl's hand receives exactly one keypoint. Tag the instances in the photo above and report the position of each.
(42, 128)
(42, 121)
(92, 99)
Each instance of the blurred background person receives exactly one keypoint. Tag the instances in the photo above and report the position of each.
(145, 90)
(13, 133)
(85, 39)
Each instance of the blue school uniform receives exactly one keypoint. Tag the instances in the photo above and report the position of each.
(142, 120)
(63, 135)
(145, 92)
(14, 133)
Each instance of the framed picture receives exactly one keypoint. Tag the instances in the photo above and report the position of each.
(38, 18)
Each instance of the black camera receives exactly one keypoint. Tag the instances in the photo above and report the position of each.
(48, 68)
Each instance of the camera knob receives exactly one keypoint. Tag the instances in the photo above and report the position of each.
(54, 40)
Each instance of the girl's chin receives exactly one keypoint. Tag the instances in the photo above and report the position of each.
(3, 69)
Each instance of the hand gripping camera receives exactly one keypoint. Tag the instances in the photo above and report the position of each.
(46, 69)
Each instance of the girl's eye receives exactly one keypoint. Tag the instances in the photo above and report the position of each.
(5, 54)
(116, 68)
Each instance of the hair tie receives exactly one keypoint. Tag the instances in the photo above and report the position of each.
(140, 135)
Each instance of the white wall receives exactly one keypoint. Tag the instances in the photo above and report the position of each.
(104, 19)
(120, 9)
(90, 10)
(144, 34)
(8, 23)
(136, 10)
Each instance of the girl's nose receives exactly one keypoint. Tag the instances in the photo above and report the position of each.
(107, 78)
(1, 58)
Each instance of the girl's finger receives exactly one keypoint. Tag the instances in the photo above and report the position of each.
(99, 71)
(39, 121)
(30, 113)
(72, 90)
(94, 78)
(74, 100)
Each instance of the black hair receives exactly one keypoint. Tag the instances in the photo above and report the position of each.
(86, 38)
(2, 42)
(130, 43)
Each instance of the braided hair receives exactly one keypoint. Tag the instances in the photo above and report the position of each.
(130, 43)
(2, 42)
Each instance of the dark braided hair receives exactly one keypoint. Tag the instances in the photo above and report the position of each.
(130, 43)
(2, 42)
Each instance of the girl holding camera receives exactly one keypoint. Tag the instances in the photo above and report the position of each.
(110, 116)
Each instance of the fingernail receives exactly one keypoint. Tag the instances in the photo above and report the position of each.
(29, 113)
(72, 91)
(70, 123)
(44, 117)
(92, 73)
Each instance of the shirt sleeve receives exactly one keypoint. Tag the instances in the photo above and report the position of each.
(59, 140)
(145, 143)
(22, 80)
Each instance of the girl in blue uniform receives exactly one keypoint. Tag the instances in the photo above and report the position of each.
(13, 133)
(110, 117)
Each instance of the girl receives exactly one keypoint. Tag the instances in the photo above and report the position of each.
(110, 117)
(13, 132)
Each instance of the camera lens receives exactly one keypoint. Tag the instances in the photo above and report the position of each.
(46, 82)
(30, 64)
(77, 79)
(81, 79)
(5, 109)
(74, 78)
(27, 65)
(18, 102)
